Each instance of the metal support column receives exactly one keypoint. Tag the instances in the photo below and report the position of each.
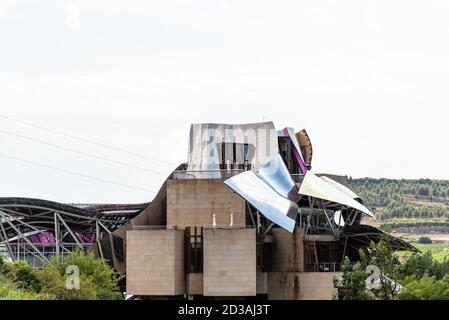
(70, 231)
(24, 238)
(57, 248)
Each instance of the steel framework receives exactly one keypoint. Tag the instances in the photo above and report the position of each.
(36, 230)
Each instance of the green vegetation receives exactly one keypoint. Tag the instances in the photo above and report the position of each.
(439, 251)
(409, 223)
(97, 281)
(353, 284)
(420, 199)
(10, 291)
(425, 240)
(420, 277)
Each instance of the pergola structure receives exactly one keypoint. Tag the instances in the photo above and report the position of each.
(36, 230)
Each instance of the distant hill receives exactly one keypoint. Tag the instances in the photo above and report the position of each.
(422, 199)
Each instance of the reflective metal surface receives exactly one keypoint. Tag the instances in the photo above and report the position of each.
(338, 219)
(264, 198)
(340, 187)
(276, 175)
(316, 187)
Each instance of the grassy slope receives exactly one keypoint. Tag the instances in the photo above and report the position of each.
(408, 203)
(440, 251)
(406, 200)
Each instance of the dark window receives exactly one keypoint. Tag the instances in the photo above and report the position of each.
(106, 250)
(263, 256)
(236, 156)
(321, 256)
(286, 151)
(118, 248)
(194, 249)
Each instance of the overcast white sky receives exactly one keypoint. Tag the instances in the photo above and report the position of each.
(367, 79)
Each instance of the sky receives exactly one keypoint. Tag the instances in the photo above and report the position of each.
(367, 79)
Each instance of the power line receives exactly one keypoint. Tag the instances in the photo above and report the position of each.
(74, 173)
(81, 152)
(83, 139)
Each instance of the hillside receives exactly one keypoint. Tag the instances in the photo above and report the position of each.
(407, 206)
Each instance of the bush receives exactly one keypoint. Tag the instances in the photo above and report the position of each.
(425, 288)
(54, 285)
(97, 281)
(10, 291)
(353, 286)
(94, 271)
(425, 240)
(25, 276)
(5, 268)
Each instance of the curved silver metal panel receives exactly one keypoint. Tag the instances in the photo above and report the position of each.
(341, 187)
(315, 187)
(276, 175)
(270, 203)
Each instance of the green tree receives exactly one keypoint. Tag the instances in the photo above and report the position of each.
(353, 283)
(54, 285)
(382, 257)
(97, 281)
(10, 291)
(92, 270)
(25, 276)
(5, 268)
(425, 240)
(426, 288)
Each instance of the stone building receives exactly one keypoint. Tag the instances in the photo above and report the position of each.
(244, 218)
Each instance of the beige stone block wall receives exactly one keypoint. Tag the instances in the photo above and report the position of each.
(262, 283)
(230, 262)
(300, 286)
(195, 283)
(287, 253)
(155, 262)
(179, 262)
(193, 202)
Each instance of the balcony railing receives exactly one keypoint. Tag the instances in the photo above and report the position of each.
(205, 174)
(29, 254)
(323, 267)
(218, 174)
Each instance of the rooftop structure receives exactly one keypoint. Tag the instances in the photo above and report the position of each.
(244, 217)
(36, 230)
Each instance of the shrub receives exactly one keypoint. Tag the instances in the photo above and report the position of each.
(10, 291)
(54, 285)
(25, 277)
(19, 281)
(425, 288)
(425, 240)
(92, 270)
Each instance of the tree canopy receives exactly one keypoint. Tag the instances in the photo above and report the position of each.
(97, 281)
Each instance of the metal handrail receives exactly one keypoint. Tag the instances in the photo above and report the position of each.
(205, 174)
(323, 267)
(218, 174)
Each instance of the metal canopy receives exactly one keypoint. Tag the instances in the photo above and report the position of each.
(341, 187)
(264, 198)
(41, 229)
(316, 187)
(276, 175)
(362, 235)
